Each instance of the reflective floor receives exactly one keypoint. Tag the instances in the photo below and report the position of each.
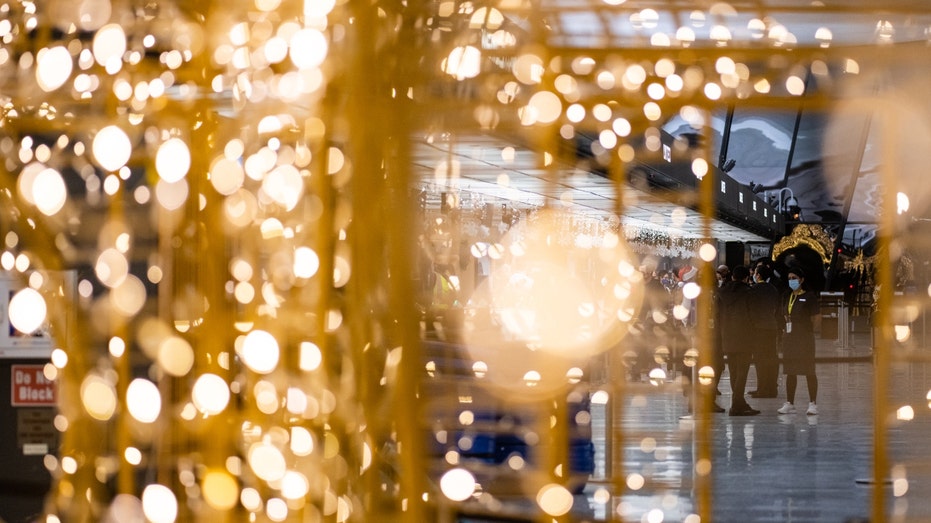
(770, 467)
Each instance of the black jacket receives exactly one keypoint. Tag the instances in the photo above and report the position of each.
(735, 315)
(764, 304)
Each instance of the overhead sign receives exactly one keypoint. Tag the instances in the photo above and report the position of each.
(30, 388)
(37, 344)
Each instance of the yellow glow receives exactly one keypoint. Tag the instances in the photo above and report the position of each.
(98, 397)
(175, 356)
(220, 490)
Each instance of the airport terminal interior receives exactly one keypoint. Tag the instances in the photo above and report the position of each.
(465, 261)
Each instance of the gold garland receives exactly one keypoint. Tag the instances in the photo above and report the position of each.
(810, 235)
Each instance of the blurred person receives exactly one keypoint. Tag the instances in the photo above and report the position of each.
(722, 274)
(802, 313)
(650, 324)
(766, 320)
(736, 330)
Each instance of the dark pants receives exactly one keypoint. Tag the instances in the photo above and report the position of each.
(738, 366)
(766, 361)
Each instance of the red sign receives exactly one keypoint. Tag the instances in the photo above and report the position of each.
(30, 388)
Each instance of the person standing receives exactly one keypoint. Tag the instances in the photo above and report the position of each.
(766, 319)
(735, 331)
(802, 312)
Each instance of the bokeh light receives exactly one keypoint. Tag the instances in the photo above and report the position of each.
(27, 310)
(457, 484)
(143, 400)
(159, 504)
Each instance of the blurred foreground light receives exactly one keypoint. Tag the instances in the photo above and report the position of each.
(267, 461)
(143, 400)
(159, 504)
(555, 500)
(657, 376)
(210, 394)
(902, 333)
(220, 490)
(690, 358)
(111, 148)
(53, 68)
(294, 485)
(109, 46)
(99, 397)
(306, 262)
(260, 351)
(27, 311)
(463, 62)
(302, 441)
(49, 192)
(691, 290)
(173, 160)
(906, 413)
(457, 484)
(706, 375)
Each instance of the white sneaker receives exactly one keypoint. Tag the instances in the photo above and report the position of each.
(812, 409)
(787, 408)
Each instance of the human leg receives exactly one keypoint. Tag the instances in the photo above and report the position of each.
(739, 366)
(789, 406)
(767, 367)
(791, 384)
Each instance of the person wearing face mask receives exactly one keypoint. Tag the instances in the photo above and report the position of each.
(802, 311)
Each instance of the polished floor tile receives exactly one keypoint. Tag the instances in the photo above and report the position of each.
(765, 468)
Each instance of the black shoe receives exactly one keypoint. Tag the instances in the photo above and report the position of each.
(753, 393)
(717, 408)
(745, 411)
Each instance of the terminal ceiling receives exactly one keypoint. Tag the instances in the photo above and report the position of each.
(865, 70)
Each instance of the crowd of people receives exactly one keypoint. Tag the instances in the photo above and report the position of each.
(757, 315)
